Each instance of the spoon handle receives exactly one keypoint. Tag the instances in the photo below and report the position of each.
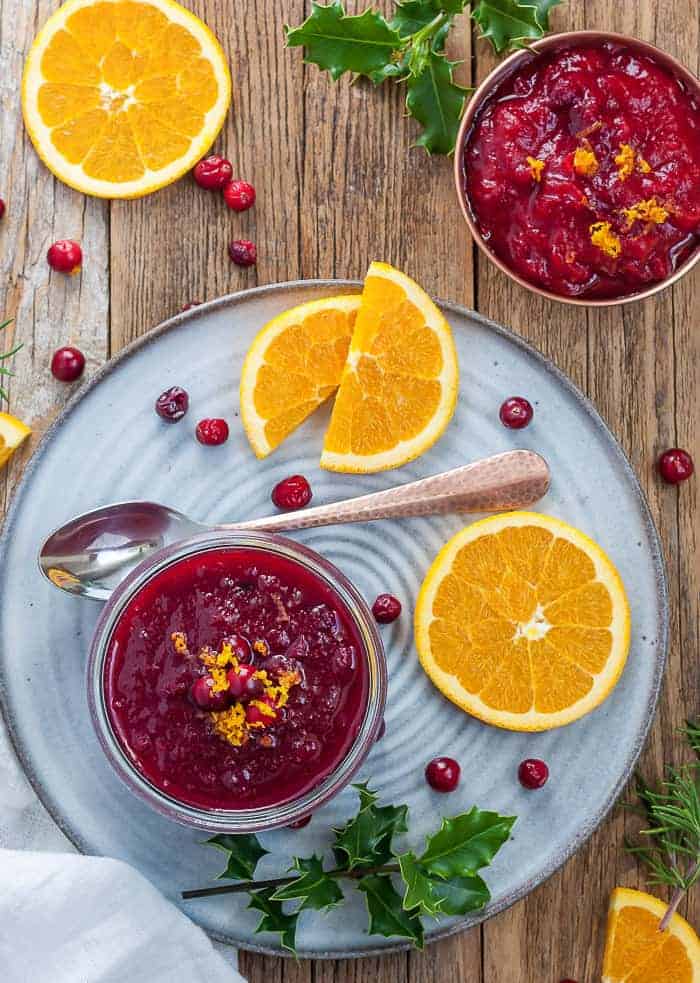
(512, 480)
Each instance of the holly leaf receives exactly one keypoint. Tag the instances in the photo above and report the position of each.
(314, 887)
(243, 851)
(434, 896)
(437, 103)
(274, 919)
(466, 843)
(411, 16)
(386, 912)
(509, 24)
(366, 840)
(364, 44)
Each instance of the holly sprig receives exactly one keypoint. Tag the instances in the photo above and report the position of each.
(4, 371)
(399, 887)
(410, 48)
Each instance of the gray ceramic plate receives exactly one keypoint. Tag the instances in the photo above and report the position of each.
(109, 445)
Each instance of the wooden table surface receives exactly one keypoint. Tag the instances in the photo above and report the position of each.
(339, 185)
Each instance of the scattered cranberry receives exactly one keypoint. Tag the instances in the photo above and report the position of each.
(382, 730)
(239, 195)
(442, 774)
(2, 208)
(213, 172)
(238, 680)
(516, 413)
(386, 609)
(300, 823)
(67, 364)
(65, 256)
(292, 493)
(533, 773)
(243, 252)
(212, 432)
(240, 647)
(675, 465)
(204, 698)
(189, 305)
(172, 404)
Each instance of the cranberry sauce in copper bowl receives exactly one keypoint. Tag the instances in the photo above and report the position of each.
(237, 682)
(578, 168)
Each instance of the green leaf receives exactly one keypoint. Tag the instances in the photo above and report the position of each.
(317, 890)
(452, 6)
(412, 16)
(435, 896)
(243, 851)
(366, 840)
(509, 24)
(437, 103)
(466, 843)
(386, 912)
(274, 919)
(365, 43)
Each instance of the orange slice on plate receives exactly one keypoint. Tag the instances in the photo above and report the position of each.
(12, 433)
(523, 622)
(637, 952)
(399, 387)
(293, 366)
(121, 97)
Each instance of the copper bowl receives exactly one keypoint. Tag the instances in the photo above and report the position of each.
(484, 92)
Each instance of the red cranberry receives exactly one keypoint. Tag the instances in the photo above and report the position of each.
(65, 256)
(254, 688)
(213, 172)
(300, 823)
(442, 774)
(172, 404)
(386, 609)
(240, 646)
(189, 305)
(239, 195)
(254, 715)
(516, 413)
(212, 432)
(675, 465)
(533, 773)
(292, 493)
(2, 208)
(243, 252)
(203, 696)
(67, 364)
(238, 680)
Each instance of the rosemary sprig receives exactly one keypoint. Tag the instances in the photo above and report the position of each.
(670, 844)
(4, 371)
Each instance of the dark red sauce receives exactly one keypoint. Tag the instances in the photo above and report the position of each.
(597, 99)
(296, 619)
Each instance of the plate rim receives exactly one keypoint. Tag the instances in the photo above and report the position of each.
(233, 300)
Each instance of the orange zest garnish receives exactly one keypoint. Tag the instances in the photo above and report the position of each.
(605, 239)
(585, 162)
(536, 168)
(645, 211)
(627, 159)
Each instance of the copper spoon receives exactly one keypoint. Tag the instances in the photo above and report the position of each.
(94, 552)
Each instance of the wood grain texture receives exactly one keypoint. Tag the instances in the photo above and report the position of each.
(338, 186)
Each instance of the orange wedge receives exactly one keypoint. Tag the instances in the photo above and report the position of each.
(120, 97)
(523, 621)
(293, 366)
(399, 386)
(13, 433)
(637, 952)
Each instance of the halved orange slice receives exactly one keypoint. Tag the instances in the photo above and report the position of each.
(523, 621)
(637, 952)
(121, 97)
(13, 433)
(399, 386)
(293, 366)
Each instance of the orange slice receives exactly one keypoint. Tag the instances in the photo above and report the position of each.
(523, 621)
(12, 433)
(293, 366)
(637, 952)
(399, 386)
(120, 97)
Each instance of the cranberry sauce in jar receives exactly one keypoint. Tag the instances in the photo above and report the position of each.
(236, 679)
(582, 171)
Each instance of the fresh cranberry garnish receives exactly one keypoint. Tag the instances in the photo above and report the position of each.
(239, 195)
(386, 609)
(239, 681)
(172, 404)
(204, 698)
(254, 688)
(300, 823)
(442, 774)
(189, 305)
(213, 172)
(243, 252)
(212, 432)
(292, 493)
(254, 715)
(2, 208)
(67, 364)
(240, 647)
(382, 730)
(516, 413)
(65, 256)
(533, 773)
(675, 465)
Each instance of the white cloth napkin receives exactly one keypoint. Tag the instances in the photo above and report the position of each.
(73, 919)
